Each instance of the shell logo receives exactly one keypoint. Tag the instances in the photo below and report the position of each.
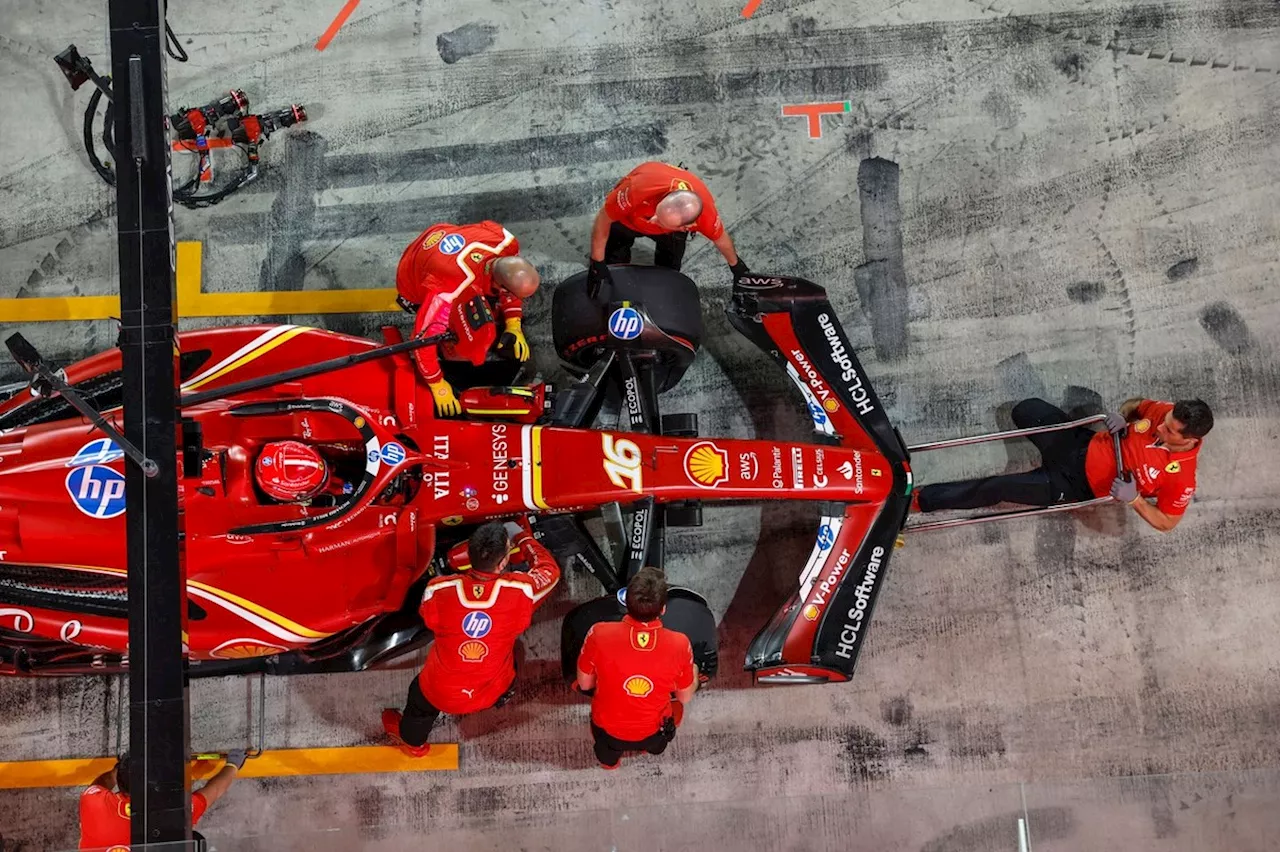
(706, 465)
(1142, 425)
(241, 649)
(638, 686)
(830, 404)
(810, 613)
(1172, 467)
(432, 238)
(473, 651)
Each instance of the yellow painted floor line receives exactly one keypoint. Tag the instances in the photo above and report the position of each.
(274, 763)
(194, 302)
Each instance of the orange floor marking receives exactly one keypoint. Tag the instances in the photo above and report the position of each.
(328, 34)
(750, 8)
(274, 763)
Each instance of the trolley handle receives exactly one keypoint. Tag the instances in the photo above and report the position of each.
(1115, 445)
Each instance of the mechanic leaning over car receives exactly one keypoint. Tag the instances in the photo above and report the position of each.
(476, 617)
(664, 203)
(104, 812)
(642, 674)
(1159, 444)
(454, 277)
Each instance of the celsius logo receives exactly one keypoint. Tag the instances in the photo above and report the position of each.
(625, 323)
(97, 491)
(477, 624)
(101, 451)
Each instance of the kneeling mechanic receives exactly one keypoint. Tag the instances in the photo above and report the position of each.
(476, 617)
(636, 667)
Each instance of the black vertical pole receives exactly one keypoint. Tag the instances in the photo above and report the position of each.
(158, 729)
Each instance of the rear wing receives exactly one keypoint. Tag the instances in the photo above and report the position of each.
(818, 634)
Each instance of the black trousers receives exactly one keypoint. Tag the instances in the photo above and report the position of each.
(668, 249)
(418, 717)
(609, 749)
(1059, 479)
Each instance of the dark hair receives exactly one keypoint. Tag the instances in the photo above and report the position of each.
(122, 773)
(1195, 417)
(646, 594)
(488, 546)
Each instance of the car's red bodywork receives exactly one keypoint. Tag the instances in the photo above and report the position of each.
(265, 578)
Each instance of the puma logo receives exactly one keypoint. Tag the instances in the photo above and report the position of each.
(469, 692)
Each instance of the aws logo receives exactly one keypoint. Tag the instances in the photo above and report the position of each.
(638, 686)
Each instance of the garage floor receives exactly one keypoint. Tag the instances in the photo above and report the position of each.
(1082, 196)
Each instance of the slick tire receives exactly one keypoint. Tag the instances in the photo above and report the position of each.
(579, 324)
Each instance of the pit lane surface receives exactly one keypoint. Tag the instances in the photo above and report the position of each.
(1056, 197)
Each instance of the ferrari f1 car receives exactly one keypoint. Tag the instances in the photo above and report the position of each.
(332, 583)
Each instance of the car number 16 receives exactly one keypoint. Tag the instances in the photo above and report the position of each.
(622, 462)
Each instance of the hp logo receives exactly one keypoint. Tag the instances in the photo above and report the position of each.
(826, 537)
(625, 323)
(97, 491)
(477, 624)
(452, 244)
(101, 451)
(393, 453)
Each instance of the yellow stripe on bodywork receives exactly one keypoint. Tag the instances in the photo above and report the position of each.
(535, 462)
(250, 356)
(274, 617)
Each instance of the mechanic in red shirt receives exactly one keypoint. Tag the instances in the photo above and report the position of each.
(1158, 446)
(636, 667)
(664, 203)
(476, 617)
(104, 813)
(454, 277)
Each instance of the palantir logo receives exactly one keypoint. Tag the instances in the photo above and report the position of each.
(625, 323)
(101, 451)
(97, 491)
(477, 624)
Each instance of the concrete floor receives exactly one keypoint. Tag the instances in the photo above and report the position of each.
(1087, 210)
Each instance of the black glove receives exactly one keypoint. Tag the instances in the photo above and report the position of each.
(236, 758)
(597, 274)
(739, 269)
(589, 693)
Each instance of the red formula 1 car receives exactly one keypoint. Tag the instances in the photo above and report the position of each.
(332, 583)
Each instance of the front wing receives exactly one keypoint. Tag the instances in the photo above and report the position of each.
(818, 634)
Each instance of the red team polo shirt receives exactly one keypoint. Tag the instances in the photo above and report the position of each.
(476, 619)
(104, 818)
(637, 195)
(1167, 476)
(446, 267)
(638, 665)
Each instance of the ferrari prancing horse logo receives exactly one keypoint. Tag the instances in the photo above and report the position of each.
(642, 638)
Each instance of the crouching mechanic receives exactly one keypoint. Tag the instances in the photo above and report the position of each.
(663, 203)
(636, 667)
(454, 278)
(1159, 444)
(476, 617)
(105, 804)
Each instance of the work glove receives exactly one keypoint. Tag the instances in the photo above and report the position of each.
(589, 693)
(518, 529)
(739, 269)
(513, 336)
(236, 758)
(1116, 423)
(597, 274)
(447, 404)
(1124, 490)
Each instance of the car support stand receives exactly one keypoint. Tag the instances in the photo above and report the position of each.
(158, 715)
(1016, 513)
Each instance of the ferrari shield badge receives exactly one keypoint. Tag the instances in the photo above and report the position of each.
(643, 638)
(477, 590)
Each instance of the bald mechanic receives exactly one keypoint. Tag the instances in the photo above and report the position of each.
(455, 277)
(664, 203)
(1159, 444)
(476, 616)
(642, 674)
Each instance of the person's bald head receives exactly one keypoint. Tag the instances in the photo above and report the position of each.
(516, 275)
(678, 210)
